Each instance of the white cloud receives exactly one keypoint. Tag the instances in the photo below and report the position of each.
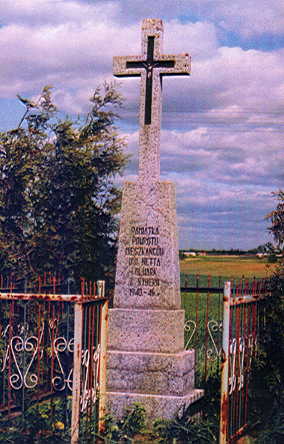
(66, 43)
(43, 12)
(245, 17)
(199, 39)
(242, 16)
(224, 158)
(222, 127)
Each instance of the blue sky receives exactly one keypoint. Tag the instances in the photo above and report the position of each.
(222, 141)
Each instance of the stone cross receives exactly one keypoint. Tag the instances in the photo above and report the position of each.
(151, 66)
(147, 362)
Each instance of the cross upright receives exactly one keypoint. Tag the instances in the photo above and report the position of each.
(151, 66)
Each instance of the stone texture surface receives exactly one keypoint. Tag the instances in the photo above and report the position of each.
(157, 406)
(151, 373)
(146, 330)
(147, 273)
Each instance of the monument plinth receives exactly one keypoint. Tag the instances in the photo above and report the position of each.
(147, 362)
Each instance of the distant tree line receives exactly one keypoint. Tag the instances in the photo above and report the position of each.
(266, 248)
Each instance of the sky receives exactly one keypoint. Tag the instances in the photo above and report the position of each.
(221, 141)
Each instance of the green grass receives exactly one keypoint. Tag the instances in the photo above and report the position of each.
(200, 310)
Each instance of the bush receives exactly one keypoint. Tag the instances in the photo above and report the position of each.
(267, 382)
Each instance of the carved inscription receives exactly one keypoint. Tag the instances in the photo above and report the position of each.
(144, 260)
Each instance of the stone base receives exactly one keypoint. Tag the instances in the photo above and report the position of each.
(152, 373)
(156, 406)
(147, 362)
(155, 331)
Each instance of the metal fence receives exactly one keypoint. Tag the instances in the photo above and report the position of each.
(52, 356)
(243, 323)
(223, 323)
(202, 299)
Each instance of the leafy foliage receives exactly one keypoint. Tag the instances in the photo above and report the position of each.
(57, 198)
(274, 431)
(277, 219)
(268, 377)
(40, 423)
(124, 429)
(267, 382)
(185, 428)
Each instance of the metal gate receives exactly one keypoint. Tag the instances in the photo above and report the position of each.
(203, 303)
(224, 324)
(53, 354)
(243, 322)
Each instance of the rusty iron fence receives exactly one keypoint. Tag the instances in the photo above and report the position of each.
(243, 323)
(53, 354)
(223, 323)
(202, 299)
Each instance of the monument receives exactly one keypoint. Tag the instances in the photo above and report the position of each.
(147, 362)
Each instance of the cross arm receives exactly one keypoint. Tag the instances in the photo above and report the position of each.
(167, 65)
(120, 66)
(181, 65)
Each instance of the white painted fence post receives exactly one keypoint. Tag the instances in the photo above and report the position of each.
(77, 359)
(103, 365)
(225, 366)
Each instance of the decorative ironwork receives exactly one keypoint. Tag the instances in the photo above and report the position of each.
(39, 341)
(214, 327)
(241, 324)
(232, 366)
(189, 327)
(18, 346)
(21, 346)
(90, 366)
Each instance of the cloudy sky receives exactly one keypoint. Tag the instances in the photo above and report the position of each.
(221, 141)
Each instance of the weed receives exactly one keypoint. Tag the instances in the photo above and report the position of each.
(185, 428)
(122, 430)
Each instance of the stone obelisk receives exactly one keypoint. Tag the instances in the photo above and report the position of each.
(147, 362)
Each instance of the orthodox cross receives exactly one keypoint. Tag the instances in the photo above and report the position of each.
(151, 66)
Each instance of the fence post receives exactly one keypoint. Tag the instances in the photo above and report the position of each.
(103, 366)
(224, 409)
(101, 289)
(77, 359)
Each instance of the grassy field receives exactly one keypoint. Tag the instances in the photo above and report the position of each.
(229, 266)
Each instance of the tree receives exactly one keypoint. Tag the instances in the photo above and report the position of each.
(58, 200)
(267, 381)
(277, 220)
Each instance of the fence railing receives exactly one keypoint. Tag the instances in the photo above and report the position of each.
(53, 354)
(243, 322)
(202, 299)
(223, 323)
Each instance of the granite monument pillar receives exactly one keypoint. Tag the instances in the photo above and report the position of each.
(147, 362)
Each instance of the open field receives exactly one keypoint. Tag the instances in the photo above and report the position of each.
(229, 266)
